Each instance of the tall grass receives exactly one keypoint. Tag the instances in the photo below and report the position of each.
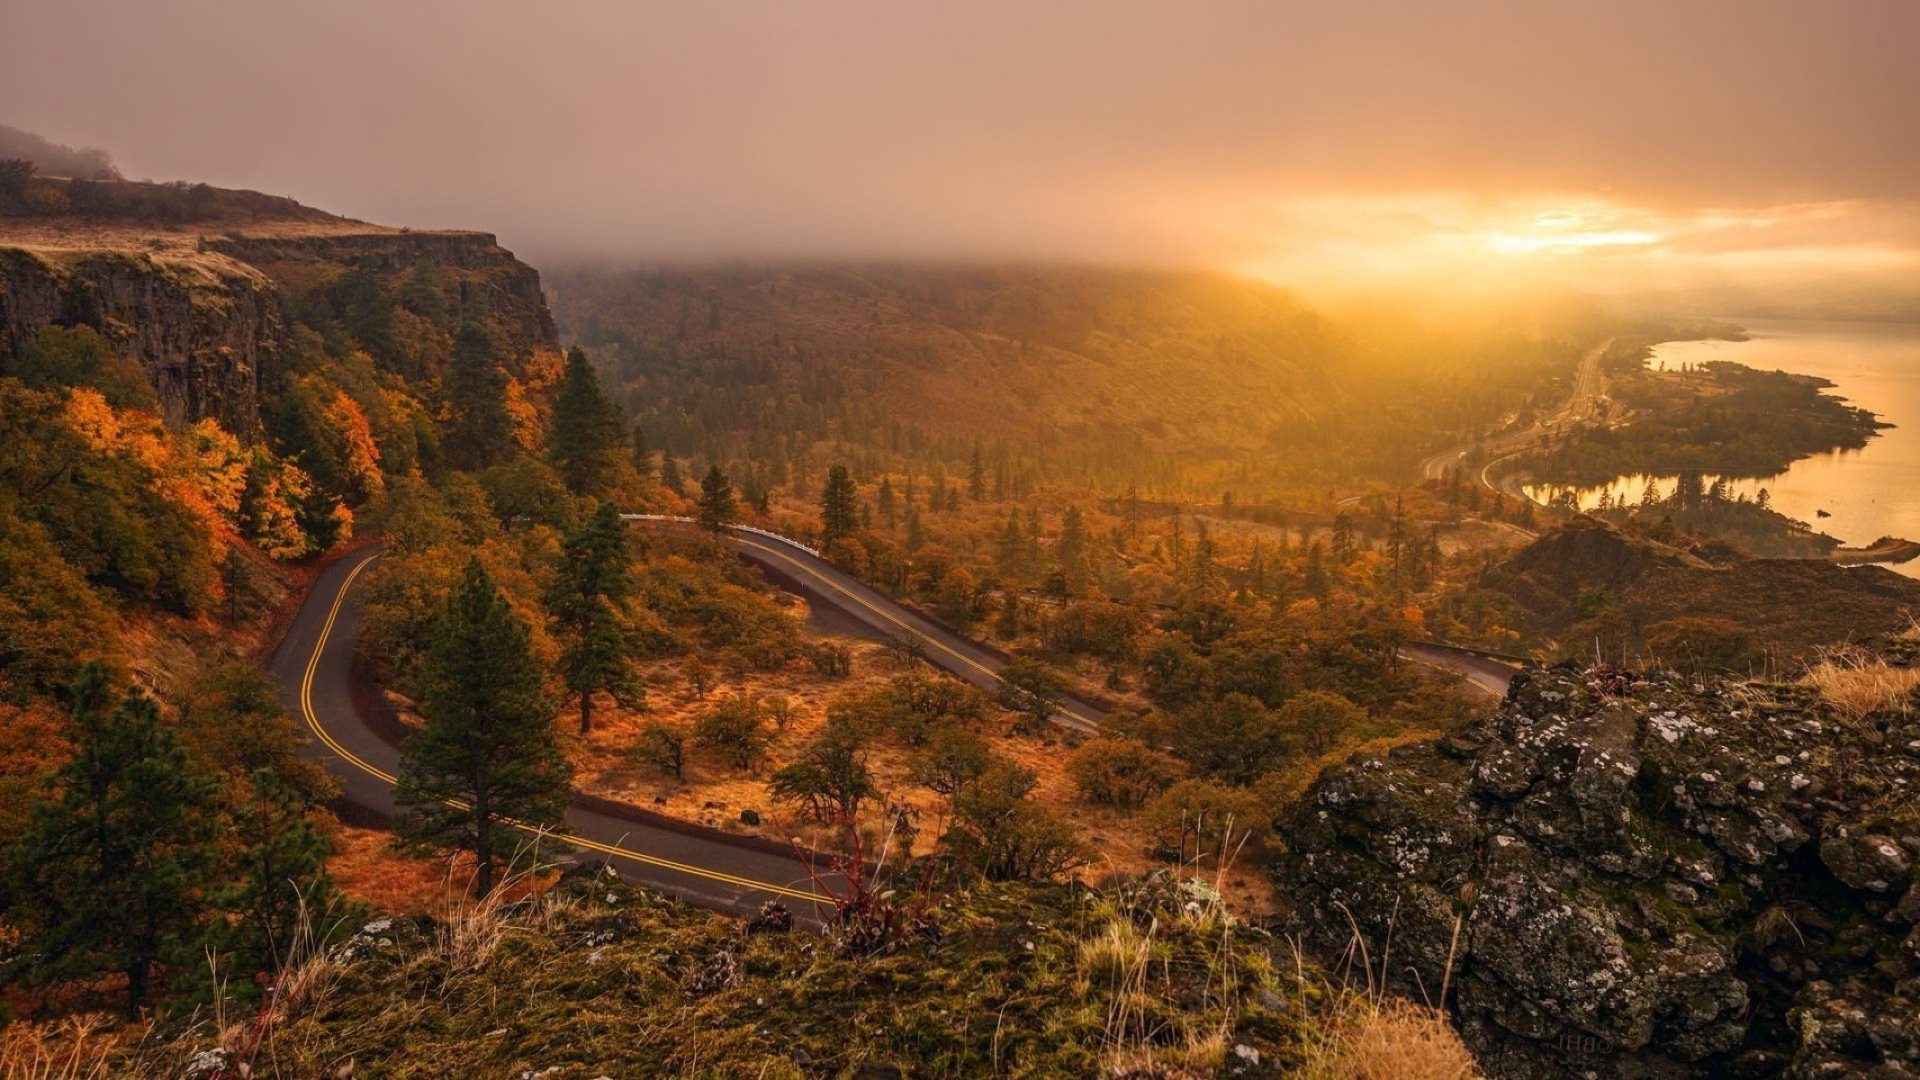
(1858, 685)
(75, 1048)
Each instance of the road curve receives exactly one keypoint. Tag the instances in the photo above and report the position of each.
(313, 666)
(800, 570)
(314, 669)
(1486, 674)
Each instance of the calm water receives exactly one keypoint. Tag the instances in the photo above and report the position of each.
(1872, 492)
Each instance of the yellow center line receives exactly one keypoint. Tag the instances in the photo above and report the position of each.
(890, 616)
(326, 737)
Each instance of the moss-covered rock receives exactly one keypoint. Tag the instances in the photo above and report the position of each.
(1632, 874)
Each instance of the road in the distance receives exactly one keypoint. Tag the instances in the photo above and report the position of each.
(798, 569)
(1582, 407)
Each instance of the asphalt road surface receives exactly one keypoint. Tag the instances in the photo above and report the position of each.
(799, 570)
(1583, 406)
(313, 667)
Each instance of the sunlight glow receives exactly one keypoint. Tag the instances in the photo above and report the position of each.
(1568, 243)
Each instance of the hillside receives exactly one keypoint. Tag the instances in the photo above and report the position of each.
(1164, 377)
(1589, 580)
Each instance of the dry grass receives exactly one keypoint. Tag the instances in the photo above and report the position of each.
(1118, 841)
(1857, 686)
(1388, 1039)
(367, 869)
(74, 1048)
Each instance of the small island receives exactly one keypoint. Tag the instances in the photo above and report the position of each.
(1887, 549)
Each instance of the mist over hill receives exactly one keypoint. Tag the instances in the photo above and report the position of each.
(52, 159)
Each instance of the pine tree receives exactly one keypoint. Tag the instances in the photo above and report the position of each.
(1204, 551)
(585, 440)
(977, 475)
(885, 497)
(670, 477)
(236, 583)
(487, 755)
(1011, 556)
(916, 532)
(112, 872)
(282, 879)
(718, 509)
(839, 507)
(479, 431)
(642, 453)
(1343, 550)
(586, 607)
(1073, 547)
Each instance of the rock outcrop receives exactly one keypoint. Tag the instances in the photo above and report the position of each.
(1630, 875)
(202, 302)
(486, 282)
(207, 328)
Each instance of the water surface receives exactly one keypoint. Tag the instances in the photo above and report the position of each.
(1869, 493)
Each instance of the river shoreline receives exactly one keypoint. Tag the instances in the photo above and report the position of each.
(1862, 496)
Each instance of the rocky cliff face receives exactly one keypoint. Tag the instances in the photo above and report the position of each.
(488, 283)
(1629, 875)
(206, 316)
(205, 327)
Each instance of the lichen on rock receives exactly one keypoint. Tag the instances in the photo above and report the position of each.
(1620, 874)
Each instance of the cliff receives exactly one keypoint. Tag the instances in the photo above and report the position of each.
(199, 290)
(204, 327)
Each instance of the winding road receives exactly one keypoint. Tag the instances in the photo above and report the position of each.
(315, 671)
(314, 667)
(1584, 405)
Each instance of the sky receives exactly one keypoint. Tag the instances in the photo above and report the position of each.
(1628, 141)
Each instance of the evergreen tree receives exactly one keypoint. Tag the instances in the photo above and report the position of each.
(282, 879)
(977, 475)
(642, 453)
(670, 477)
(887, 508)
(585, 440)
(1011, 556)
(586, 607)
(479, 431)
(916, 533)
(112, 872)
(839, 507)
(1073, 548)
(236, 582)
(1343, 548)
(487, 755)
(718, 509)
(1204, 550)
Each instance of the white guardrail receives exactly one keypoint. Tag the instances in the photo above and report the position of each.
(768, 533)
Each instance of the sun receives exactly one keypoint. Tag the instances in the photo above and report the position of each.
(1569, 232)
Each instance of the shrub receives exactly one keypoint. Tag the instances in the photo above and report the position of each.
(953, 759)
(1122, 772)
(735, 730)
(1005, 837)
(1202, 817)
(830, 779)
(664, 748)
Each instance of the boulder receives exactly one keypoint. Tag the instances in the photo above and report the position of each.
(1629, 874)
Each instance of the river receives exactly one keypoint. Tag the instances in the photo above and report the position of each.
(1871, 492)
